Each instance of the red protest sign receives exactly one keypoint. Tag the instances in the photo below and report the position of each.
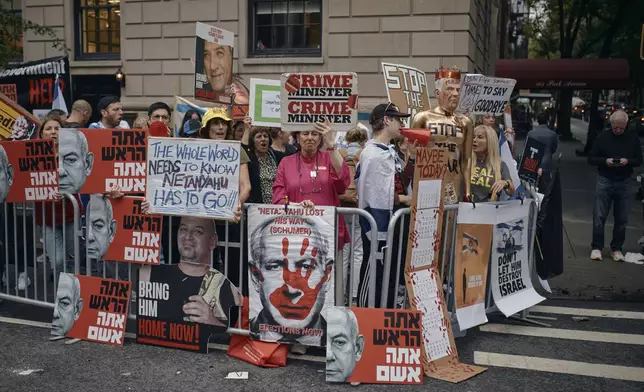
(119, 231)
(91, 308)
(28, 171)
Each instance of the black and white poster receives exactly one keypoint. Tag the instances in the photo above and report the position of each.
(531, 160)
(511, 285)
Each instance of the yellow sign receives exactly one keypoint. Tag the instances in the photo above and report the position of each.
(15, 122)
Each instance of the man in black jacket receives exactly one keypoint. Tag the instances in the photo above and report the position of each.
(615, 153)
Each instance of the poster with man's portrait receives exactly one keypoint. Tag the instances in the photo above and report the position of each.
(375, 346)
(28, 171)
(117, 230)
(291, 265)
(214, 64)
(91, 308)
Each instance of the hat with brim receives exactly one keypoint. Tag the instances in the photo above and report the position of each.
(213, 113)
(386, 110)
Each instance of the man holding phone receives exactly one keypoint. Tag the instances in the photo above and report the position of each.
(615, 153)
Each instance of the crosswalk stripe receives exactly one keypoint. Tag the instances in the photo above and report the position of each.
(588, 312)
(559, 366)
(571, 334)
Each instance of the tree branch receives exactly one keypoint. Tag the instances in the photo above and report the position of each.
(561, 28)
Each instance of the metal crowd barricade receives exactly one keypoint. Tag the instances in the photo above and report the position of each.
(447, 256)
(20, 238)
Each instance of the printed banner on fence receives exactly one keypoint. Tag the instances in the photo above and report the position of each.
(32, 85)
(407, 89)
(531, 160)
(15, 122)
(511, 285)
(193, 177)
(482, 94)
(440, 358)
(183, 305)
(265, 102)
(119, 231)
(473, 243)
(28, 171)
(91, 308)
(316, 97)
(291, 272)
(373, 346)
(97, 161)
(214, 64)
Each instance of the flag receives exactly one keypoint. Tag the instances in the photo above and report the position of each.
(181, 106)
(59, 100)
(508, 159)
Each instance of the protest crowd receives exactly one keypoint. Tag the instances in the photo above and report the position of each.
(279, 207)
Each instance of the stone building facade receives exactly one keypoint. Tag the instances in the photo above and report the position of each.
(152, 41)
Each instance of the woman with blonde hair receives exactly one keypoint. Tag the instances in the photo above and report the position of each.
(490, 176)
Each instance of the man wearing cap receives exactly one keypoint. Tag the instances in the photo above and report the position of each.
(451, 131)
(111, 111)
(375, 186)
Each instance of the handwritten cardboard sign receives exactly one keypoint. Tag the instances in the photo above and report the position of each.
(265, 101)
(193, 177)
(482, 94)
(407, 88)
(315, 97)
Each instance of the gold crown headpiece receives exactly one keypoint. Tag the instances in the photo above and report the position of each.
(451, 73)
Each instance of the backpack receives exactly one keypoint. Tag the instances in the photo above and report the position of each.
(349, 198)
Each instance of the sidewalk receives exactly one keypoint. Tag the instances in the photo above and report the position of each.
(583, 278)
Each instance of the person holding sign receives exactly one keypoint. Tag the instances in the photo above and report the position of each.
(490, 176)
(263, 165)
(312, 176)
(449, 130)
(217, 124)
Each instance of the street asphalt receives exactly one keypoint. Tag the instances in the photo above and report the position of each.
(86, 366)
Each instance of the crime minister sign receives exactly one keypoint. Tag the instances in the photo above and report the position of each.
(315, 97)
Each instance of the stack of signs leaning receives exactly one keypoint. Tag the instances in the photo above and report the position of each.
(379, 346)
(291, 272)
(308, 98)
(424, 283)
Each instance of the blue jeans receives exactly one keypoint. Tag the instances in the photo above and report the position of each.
(617, 193)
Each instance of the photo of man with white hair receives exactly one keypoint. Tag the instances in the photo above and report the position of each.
(6, 175)
(615, 152)
(344, 344)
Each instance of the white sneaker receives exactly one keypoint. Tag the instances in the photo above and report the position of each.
(596, 254)
(23, 281)
(618, 256)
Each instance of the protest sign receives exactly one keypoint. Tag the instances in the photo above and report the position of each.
(291, 272)
(214, 64)
(91, 308)
(15, 122)
(315, 97)
(407, 89)
(183, 311)
(482, 94)
(28, 171)
(265, 102)
(97, 161)
(472, 259)
(531, 160)
(193, 177)
(511, 285)
(119, 231)
(181, 107)
(440, 358)
(373, 346)
(32, 85)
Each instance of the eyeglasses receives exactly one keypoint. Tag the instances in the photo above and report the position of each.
(317, 187)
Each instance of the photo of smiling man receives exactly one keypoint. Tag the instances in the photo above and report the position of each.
(214, 64)
(291, 273)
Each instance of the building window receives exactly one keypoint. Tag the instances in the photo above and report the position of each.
(11, 35)
(285, 28)
(98, 29)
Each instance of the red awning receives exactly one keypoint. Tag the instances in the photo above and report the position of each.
(566, 73)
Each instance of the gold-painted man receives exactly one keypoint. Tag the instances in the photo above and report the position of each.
(451, 131)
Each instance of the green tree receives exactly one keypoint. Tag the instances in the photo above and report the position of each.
(12, 29)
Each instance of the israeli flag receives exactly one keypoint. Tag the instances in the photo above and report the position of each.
(508, 159)
(59, 100)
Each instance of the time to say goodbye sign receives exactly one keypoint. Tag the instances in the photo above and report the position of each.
(307, 98)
